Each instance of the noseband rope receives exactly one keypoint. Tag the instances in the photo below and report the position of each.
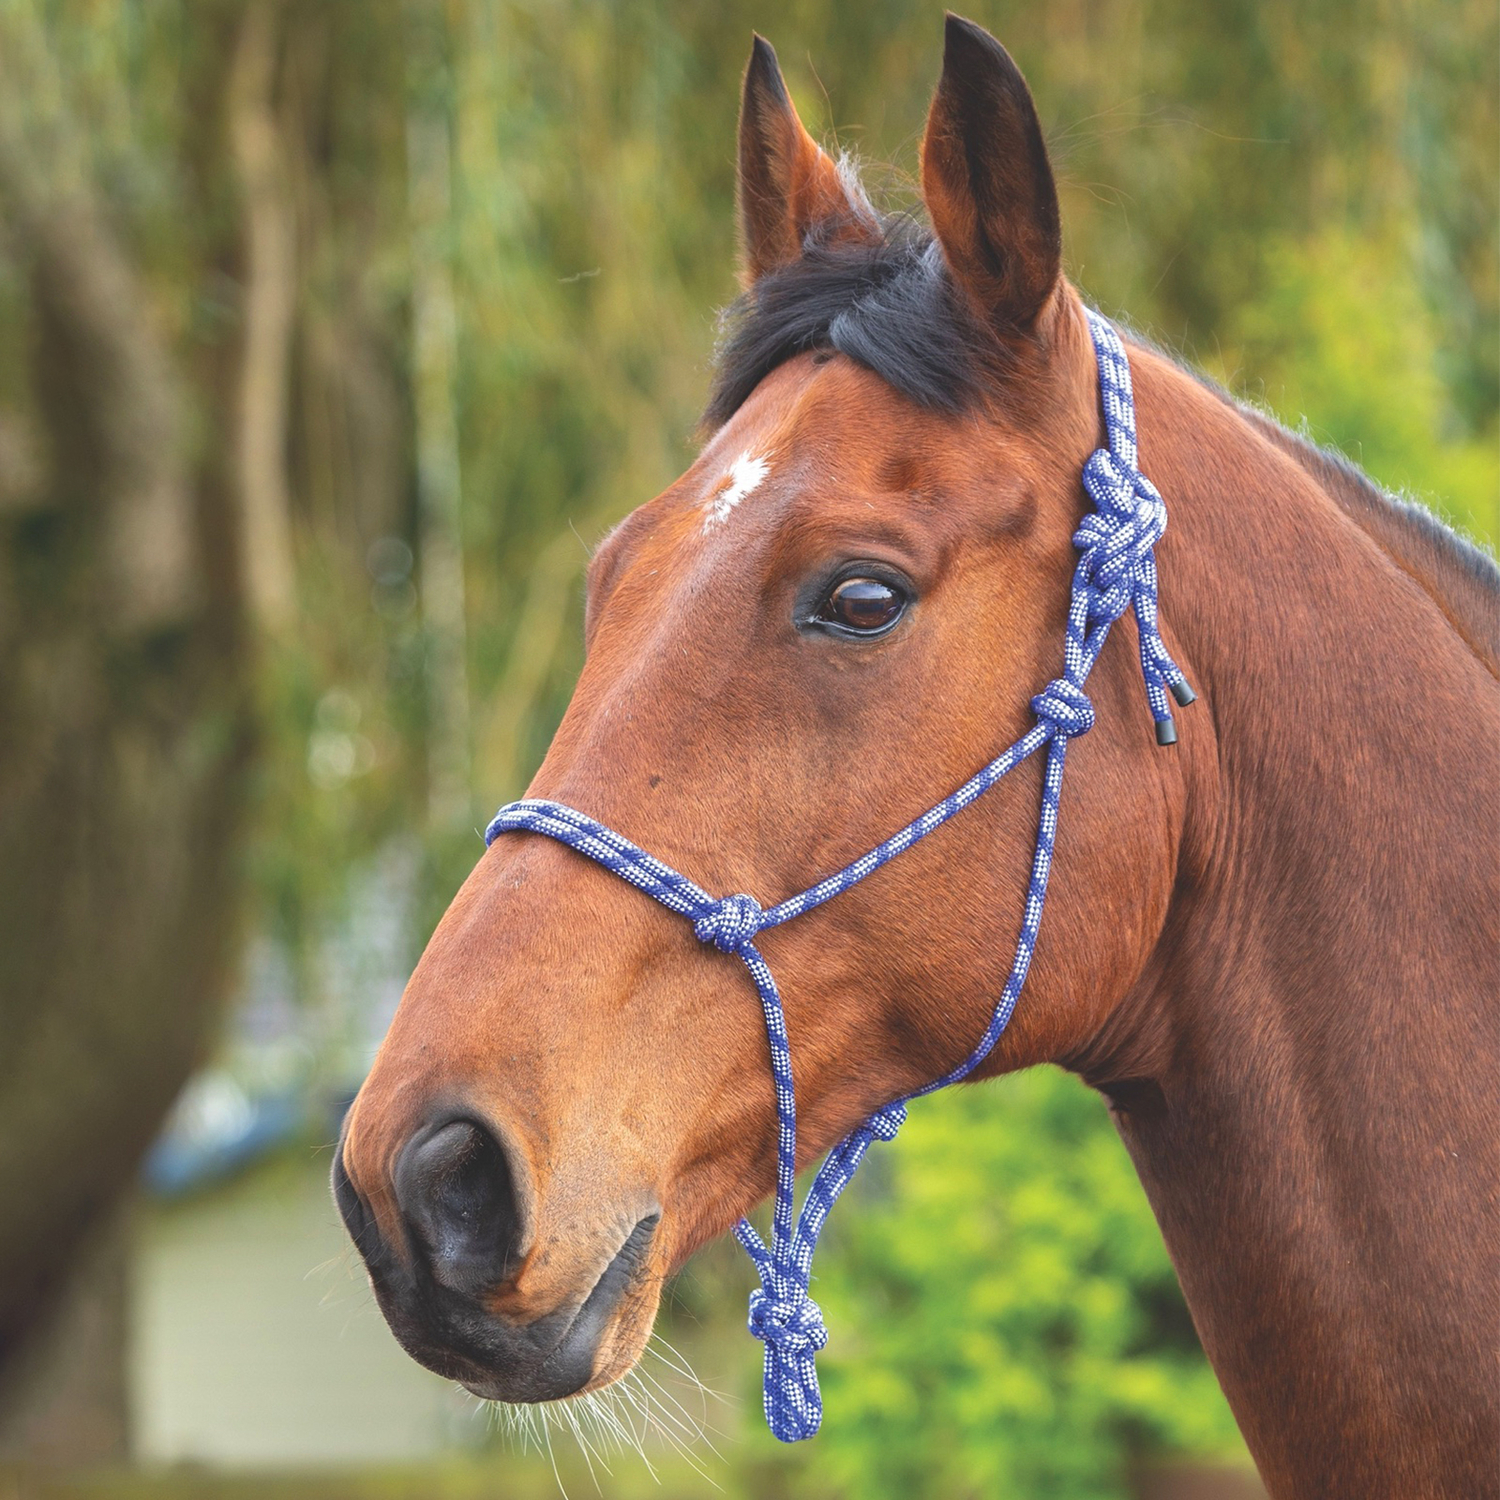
(1116, 571)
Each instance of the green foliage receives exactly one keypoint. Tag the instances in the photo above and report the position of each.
(1006, 1320)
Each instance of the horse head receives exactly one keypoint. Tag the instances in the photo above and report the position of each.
(828, 622)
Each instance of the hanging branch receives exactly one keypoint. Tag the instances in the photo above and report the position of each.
(434, 359)
(269, 302)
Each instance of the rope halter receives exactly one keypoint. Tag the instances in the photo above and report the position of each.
(1116, 571)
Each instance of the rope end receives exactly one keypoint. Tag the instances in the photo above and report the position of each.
(1166, 731)
(794, 1429)
(791, 1327)
(1182, 692)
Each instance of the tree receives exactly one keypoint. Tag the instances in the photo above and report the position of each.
(123, 708)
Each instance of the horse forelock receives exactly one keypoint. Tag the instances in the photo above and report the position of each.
(887, 303)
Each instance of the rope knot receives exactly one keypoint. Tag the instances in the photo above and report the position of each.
(729, 924)
(789, 1326)
(1064, 708)
(1117, 537)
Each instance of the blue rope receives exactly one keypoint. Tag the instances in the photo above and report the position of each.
(1116, 571)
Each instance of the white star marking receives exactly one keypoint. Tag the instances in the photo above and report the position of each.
(745, 476)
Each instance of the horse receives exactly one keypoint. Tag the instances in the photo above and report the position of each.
(1271, 947)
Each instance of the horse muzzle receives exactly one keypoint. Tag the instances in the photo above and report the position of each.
(450, 1288)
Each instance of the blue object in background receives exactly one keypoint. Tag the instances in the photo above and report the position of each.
(216, 1130)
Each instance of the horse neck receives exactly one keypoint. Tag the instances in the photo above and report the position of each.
(1304, 1074)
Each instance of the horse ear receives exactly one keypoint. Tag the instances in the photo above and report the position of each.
(788, 186)
(987, 182)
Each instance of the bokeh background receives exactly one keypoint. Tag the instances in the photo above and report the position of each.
(332, 334)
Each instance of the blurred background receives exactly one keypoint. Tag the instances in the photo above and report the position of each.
(332, 335)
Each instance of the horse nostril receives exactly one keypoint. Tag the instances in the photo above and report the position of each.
(454, 1189)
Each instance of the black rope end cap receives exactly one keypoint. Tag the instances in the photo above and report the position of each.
(1166, 732)
(1183, 694)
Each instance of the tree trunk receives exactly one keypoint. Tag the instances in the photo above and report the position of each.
(123, 720)
(65, 1398)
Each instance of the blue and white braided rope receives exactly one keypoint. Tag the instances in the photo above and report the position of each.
(1116, 571)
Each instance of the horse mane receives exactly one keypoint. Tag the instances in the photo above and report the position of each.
(1461, 577)
(889, 304)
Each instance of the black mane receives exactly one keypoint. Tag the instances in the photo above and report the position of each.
(888, 304)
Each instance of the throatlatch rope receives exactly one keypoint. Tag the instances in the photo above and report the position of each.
(1116, 571)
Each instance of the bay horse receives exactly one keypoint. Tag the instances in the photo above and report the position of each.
(1272, 947)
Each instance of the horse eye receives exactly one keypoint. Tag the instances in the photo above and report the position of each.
(863, 606)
